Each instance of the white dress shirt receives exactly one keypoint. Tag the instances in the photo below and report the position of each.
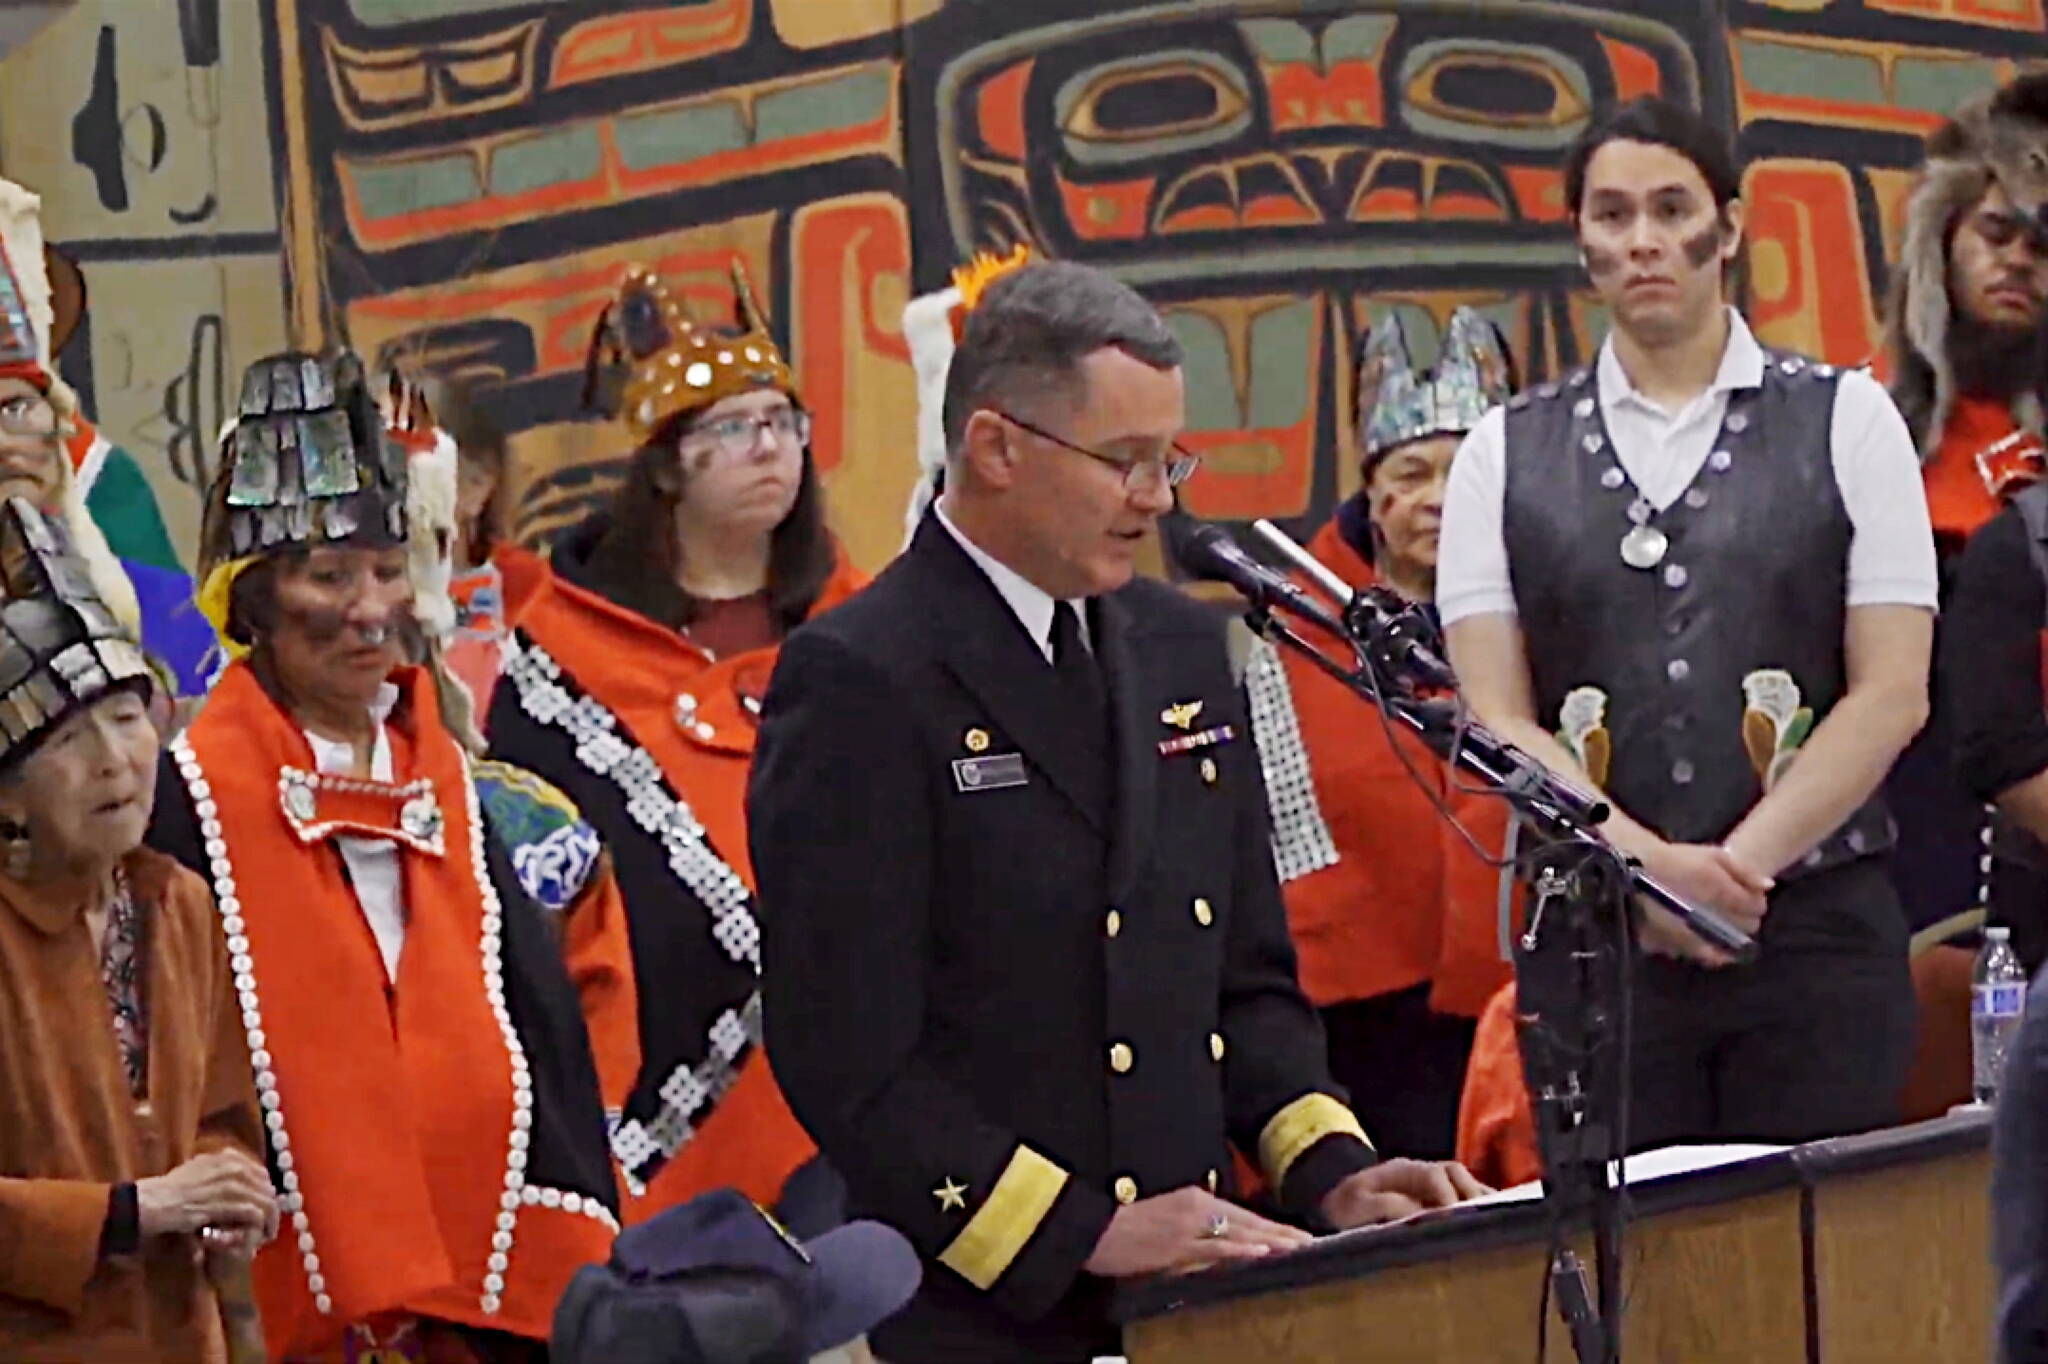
(1032, 604)
(373, 868)
(1891, 550)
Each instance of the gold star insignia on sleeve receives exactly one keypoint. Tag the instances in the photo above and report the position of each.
(952, 1197)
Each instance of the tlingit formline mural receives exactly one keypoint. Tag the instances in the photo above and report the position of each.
(461, 182)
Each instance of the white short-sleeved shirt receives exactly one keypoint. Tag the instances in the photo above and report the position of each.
(1891, 550)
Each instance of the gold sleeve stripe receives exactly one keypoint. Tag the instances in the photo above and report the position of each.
(1299, 1126)
(1007, 1218)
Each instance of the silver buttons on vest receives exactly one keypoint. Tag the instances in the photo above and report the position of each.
(1681, 772)
(1720, 459)
(1738, 422)
(1583, 408)
(1678, 670)
(1612, 478)
(1695, 498)
(1675, 575)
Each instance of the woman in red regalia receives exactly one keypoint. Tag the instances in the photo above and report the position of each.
(433, 1113)
(633, 681)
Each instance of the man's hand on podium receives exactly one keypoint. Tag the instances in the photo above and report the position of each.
(1183, 1231)
(1394, 1189)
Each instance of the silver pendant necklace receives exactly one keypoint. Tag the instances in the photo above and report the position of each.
(1644, 545)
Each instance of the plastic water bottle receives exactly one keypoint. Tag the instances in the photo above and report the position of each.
(1998, 998)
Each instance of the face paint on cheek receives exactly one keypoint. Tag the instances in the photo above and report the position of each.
(1601, 263)
(1702, 246)
(317, 624)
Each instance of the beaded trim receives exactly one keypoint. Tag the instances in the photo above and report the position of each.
(419, 817)
(536, 1196)
(491, 943)
(1301, 839)
(641, 1148)
(229, 904)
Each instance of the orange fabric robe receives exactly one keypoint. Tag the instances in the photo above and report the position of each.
(1408, 900)
(1496, 1127)
(411, 1120)
(70, 1129)
(694, 716)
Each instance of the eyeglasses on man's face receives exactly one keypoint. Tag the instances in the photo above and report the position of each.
(1176, 465)
(738, 436)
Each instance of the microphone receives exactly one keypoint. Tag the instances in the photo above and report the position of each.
(1393, 631)
(1209, 552)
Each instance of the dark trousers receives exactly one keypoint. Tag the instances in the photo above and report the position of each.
(1812, 1040)
(1404, 1065)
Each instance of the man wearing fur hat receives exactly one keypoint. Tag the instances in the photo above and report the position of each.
(1964, 352)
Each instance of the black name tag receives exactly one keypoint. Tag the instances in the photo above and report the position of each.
(990, 773)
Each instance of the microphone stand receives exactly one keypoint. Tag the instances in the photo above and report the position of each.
(1571, 960)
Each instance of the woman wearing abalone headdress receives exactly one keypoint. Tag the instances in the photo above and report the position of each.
(1392, 910)
(431, 1105)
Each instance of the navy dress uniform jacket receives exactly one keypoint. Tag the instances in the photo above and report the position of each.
(1000, 1006)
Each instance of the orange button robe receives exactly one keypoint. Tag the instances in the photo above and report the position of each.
(693, 716)
(1406, 899)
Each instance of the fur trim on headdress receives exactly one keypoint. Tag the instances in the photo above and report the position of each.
(932, 324)
(432, 479)
(2000, 136)
(928, 328)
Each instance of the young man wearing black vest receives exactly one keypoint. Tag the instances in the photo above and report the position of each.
(1700, 575)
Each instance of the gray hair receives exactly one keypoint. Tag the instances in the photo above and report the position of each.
(1030, 331)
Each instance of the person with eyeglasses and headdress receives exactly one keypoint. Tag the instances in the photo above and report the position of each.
(633, 681)
(432, 1110)
(131, 1178)
(1394, 913)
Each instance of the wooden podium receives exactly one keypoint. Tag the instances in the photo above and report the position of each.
(1860, 1250)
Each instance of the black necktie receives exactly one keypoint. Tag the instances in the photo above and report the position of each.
(1075, 667)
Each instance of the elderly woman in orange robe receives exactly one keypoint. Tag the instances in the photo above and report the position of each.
(129, 1133)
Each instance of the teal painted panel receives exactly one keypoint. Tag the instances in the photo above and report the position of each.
(823, 106)
(548, 158)
(1282, 341)
(388, 13)
(670, 136)
(1810, 73)
(1939, 86)
(387, 189)
(1211, 392)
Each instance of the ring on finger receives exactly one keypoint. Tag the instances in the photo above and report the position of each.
(1218, 1228)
